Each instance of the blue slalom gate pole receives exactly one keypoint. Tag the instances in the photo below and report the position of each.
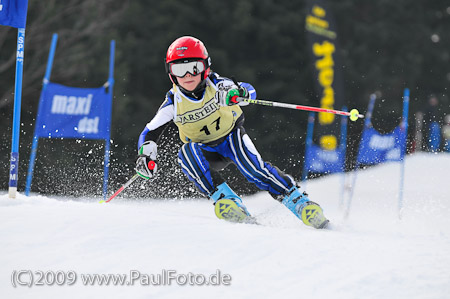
(343, 147)
(107, 141)
(404, 126)
(367, 124)
(34, 145)
(309, 140)
(14, 162)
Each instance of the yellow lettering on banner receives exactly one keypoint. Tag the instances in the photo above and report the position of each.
(316, 22)
(326, 49)
(318, 11)
(326, 118)
(328, 98)
(326, 78)
(328, 142)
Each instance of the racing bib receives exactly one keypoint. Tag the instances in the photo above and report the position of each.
(203, 120)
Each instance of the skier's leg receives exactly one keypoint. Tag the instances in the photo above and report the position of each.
(267, 177)
(199, 166)
(249, 162)
(196, 167)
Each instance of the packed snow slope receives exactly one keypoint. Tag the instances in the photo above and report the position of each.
(371, 254)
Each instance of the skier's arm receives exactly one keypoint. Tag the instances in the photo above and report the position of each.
(147, 147)
(154, 129)
(150, 133)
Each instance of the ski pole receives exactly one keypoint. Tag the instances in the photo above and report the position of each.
(353, 114)
(121, 188)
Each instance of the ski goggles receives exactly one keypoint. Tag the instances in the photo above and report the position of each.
(180, 69)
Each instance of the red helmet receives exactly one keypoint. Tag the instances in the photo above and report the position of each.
(185, 49)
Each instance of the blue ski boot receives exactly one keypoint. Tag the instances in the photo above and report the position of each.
(228, 205)
(309, 212)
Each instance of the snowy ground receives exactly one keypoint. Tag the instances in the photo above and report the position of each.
(372, 254)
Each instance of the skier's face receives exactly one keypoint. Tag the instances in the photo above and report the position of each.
(189, 82)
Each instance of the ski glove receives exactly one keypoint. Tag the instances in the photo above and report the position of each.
(145, 164)
(229, 97)
(145, 167)
(149, 148)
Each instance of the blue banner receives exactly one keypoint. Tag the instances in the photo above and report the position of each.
(13, 13)
(72, 112)
(324, 161)
(321, 160)
(434, 141)
(377, 148)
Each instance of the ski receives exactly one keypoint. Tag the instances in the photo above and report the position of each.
(227, 209)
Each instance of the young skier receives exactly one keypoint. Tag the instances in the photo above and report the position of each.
(207, 112)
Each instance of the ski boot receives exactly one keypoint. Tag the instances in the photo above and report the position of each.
(228, 205)
(309, 212)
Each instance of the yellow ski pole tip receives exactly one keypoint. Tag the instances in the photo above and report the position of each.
(101, 201)
(354, 114)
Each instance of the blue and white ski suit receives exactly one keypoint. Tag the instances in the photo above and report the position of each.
(214, 136)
